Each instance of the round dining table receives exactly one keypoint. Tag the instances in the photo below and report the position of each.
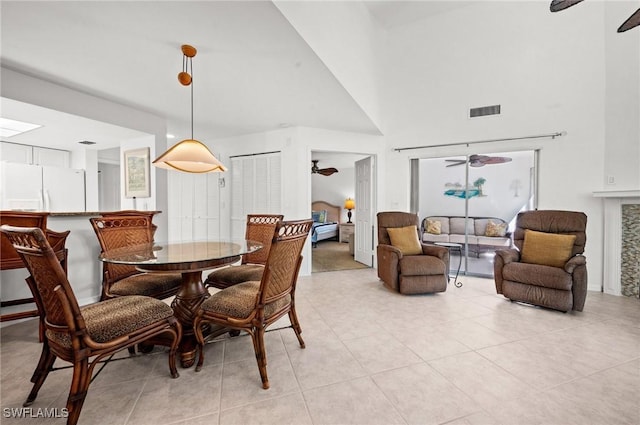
(190, 259)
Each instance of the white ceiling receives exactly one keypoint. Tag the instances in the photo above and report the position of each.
(391, 14)
(252, 73)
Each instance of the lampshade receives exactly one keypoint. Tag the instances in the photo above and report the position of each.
(349, 204)
(189, 155)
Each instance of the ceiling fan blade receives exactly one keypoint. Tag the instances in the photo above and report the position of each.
(632, 21)
(496, 160)
(327, 171)
(455, 162)
(558, 5)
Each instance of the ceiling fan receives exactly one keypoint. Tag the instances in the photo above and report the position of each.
(631, 22)
(324, 171)
(479, 160)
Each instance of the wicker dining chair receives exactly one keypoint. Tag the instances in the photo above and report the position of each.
(117, 231)
(260, 228)
(253, 306)
(84, 336)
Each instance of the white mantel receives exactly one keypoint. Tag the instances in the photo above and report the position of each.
(613, 201)
(617, 194)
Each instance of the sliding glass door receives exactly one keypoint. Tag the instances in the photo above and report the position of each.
(470, 202)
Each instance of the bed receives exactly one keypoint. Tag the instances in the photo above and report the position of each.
(326, 219)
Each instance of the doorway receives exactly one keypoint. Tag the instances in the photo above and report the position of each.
(476, 199)
(334, 248)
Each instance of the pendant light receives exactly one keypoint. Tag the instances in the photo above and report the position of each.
(189, 155)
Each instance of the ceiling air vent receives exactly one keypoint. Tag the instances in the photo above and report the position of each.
(86, 142)
(483, 111)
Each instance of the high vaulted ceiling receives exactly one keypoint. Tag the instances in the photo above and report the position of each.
(253, 72)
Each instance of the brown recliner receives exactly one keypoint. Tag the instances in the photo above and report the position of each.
(410, 274)
(560, 288)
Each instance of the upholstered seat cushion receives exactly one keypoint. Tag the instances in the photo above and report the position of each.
(147, 284)
(537, 275)
(417, 265)
(229, 276)
(116, 317)
(240, 300)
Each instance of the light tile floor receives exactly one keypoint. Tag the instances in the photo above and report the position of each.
(466, 356)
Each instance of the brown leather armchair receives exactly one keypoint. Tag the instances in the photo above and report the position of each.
(409, 274)
(560, 288)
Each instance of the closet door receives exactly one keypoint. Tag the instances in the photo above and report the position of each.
(194, 207)
(256, 188)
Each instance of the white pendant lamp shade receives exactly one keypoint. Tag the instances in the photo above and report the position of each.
(190, 156)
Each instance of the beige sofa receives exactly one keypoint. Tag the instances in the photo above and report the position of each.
(452, 230)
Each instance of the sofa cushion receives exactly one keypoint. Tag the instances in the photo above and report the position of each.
(457, 224)
(547, 249)
(495, 229)
(444, 224)
(429, 237)
(494, 241)
(405, 239)
(456, 238)
(434, 227)
(537, 275)
(420, 265)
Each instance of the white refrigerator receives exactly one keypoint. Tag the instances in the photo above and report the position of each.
(41, 188)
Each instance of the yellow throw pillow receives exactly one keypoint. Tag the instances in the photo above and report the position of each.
(496, 229)
(405, 239)
(434, 227)
(548, 249)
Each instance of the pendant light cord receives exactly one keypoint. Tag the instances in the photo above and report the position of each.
(187, 63)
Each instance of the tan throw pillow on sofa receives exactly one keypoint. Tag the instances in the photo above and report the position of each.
(496, 229)
(547, 249)
(434, 227)
(405, 239)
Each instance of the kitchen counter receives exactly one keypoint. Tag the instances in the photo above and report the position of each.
(88, 213)
(84, 267)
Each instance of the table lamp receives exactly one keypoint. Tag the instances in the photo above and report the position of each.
(349, 205)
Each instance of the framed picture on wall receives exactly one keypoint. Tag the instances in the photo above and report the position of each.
(136, 173)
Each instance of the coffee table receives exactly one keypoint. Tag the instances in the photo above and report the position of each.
(453, 247)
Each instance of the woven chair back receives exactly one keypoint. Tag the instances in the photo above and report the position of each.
(260, 228)
(283, 264)
(120, 231)
(46, 271)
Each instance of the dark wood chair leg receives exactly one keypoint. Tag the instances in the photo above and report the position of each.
(261, 355)
(293, 318)
(197, 331)
(47, 358)
(78, 391)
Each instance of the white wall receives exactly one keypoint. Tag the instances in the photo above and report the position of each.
(548, 73)
(622, 91)
(347, 40)
(335, 189)
(295, 145)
